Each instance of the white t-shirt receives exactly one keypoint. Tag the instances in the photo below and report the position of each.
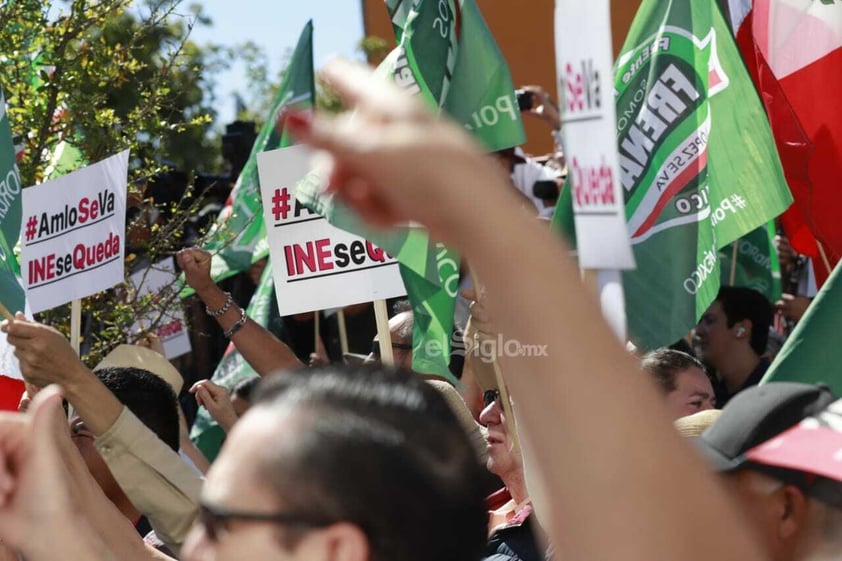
(524, 177)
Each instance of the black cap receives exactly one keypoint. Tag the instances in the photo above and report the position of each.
(756, 415)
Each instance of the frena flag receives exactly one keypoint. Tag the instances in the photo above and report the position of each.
(793, 49)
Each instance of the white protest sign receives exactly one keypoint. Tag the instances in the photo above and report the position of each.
(72, 233)
(316, 265)
(158, 281)
(586, 84)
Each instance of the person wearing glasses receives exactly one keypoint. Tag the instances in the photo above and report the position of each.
(362, 447)
(400, 332)
(511, 524)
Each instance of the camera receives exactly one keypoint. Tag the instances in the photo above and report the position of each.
(545, 189)
(525, 99)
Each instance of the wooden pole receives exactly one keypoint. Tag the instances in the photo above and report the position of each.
(75, 324)
(343, 331)
(732, 278)
(825, 260)
(75, 331)
(501, 383)
(6, 313)
(383, 335)
(316, 332)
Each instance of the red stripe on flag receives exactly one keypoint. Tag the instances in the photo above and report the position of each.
(677, 184)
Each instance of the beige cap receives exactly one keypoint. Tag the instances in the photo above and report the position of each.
(125, 356)
(694, 425)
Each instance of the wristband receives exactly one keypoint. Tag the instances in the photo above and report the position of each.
(237, 326)
(225, 307)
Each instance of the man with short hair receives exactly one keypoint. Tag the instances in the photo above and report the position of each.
(152, 401)
(355, 441)
(153, 476)
(682, 379)
(793, 513)
(732, 335)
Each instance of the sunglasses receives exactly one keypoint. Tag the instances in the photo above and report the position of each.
(375, 347)
(489, 397)
(215, 520)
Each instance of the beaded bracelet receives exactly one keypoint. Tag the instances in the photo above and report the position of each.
(225, 307)
(237, 326)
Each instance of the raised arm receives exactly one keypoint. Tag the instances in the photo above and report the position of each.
(261, 349)
(154, 477)
(620, 482)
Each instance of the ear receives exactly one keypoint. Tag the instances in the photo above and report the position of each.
(795, 507)
(342, 541)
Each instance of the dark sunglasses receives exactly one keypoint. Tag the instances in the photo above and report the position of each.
(215, 520)
(489, 397)
(375, 347)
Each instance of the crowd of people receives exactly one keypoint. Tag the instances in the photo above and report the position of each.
(586, 451)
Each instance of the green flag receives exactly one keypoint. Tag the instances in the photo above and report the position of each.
(697, 162)
(447, 53)
(239, 239)
(810, 353)
(756, 265)
(11, 291)
(233, 368)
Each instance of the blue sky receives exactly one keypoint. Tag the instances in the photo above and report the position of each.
(275, 26)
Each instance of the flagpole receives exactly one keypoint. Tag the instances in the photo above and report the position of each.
(343, 331)
(825, 260)
(6, 313)
(75, 330)
(381, 314)
(733, 276)
(316, 332)
(501, 383)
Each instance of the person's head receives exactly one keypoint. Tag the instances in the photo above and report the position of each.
(787, 509)
(150, 399)
(504, 458)
(682, 379)
(783, 513)
(241, 395)
(400, 331)
(372, 466)
(737, 320)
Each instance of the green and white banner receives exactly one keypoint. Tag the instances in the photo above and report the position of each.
(697, 158)
(447, 53)
(698, 164)
(10, 217)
